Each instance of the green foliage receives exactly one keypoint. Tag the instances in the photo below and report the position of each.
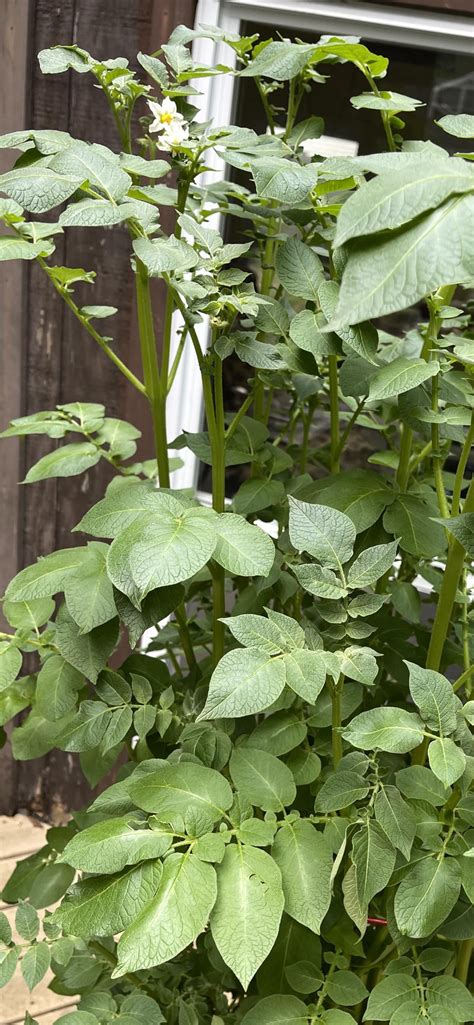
(289, 835)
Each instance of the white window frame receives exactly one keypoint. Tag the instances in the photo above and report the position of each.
(417, 28)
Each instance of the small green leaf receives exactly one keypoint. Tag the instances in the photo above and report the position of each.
(396, 818)
(389, 729)
(66, 461)
(399, 376)
(299, 269)
(305, 861)
(305, 673)
(27, 922)
(242, 548)
(35, 964)
(10, 664)
(389, 994)
(447, 760)
(57, 688)
(427, 895)
(175, 791)
(434, 696)
(277, 1010)
(371, 564)
(340, 790)
(325, 533)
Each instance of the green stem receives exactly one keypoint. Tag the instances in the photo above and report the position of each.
(463, 678)
(177, 359)
(214, 408)
(403, 471)
(348, 428)
(458, 480)
(385, 115)
(463, 960)
(334, 414)
(337, 748)
(92, 331)
(437, 457)
(110, 958)
(186, 644)
(238, 417)
(444, 609)
(151, 373)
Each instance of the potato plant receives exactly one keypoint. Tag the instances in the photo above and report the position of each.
(289, 837)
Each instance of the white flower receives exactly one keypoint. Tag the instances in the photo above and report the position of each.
(174, 136)
(165, 114)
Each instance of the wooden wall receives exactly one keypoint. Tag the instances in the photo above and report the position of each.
(45, 356)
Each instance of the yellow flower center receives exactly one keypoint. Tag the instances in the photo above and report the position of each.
(166, 118)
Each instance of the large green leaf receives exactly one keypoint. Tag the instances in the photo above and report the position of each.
(396, 990)
(325, 533)
(419, 784)
(373, 857)
(105, 906)
(280, 60)
(10, 664)
(45, 577)
(245, 681)
(97, 165)
(389, 729)
(122, 505)
(396, 818)
(35, 964)
(262, 779)
(57, 688)
(282, 180)
(165, 256)
(340, 790)
(183, 791)
(88, 591)
(255, 632)
(248, 909)
(155, 551)
(88, 653)
(393, 198)
(173, 918)
(371, 564)
(65, 461)
(38, 188)
(433, 694)
(399, 376)
(109, 846)
(460, 125)
(12, 248)
(409, 518)
(299, 269)
(383, 274)
(305, 861)
(427, 895)
(361, 494)
(243, 548)
(305, 673)
(277, 1010)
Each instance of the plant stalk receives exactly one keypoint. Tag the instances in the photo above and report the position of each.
(151, 372)
(335, 450)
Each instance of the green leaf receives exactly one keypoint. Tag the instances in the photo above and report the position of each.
(280, 60)
(383, 274)
(248, 909)
(291, 633)
(255, 495)
(95, 213)
(27, 922)
(8, 963)
(59, 58)
(97, 165)
(30, 614)
(155, 69)
(447, 761)
(255, 632)
(106, 906)
(388, 729)
(427, 895)
(433, 694)
(304, 977)
(57, 688)
(244, 682)
(144, 720)
(359, 664)
(88, 653)
(10, 664)
(462, 528)
(396, 818)
(409, 519)
(35, 964)
(66, 461)
(155, 551)
(173, 918)
(340, 790)
(388, 100)
(277, 1010)
(419, 784)
(361, 494)
(12, 248)
(111, 845)
(165, 256)
(50, 884)
(373, 857)
(299, 269)
(123, 504)
(305, 861)
(305, 332)
(325, 533)
(389, 994)
(280, 179)
(182, 790)
(460, 125)
(371, 564)
(243, 548)
(45, 577)
(346, 988)
(305, 673)
(84, 730)
(450, 994)
(262, 779)
(319, 581)
(278, 733)
(88, 591)
(39, 188)
(393, 198)
(399, 376)
(362, 338)
(5, 929)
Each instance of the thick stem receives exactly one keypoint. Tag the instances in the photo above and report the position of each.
(403, 471)
(151, 373)
(458, 480)
(214, 408)
(334, 414)
(337, 748)
(464, 960)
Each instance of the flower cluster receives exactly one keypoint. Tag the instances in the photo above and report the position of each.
(169, 123)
